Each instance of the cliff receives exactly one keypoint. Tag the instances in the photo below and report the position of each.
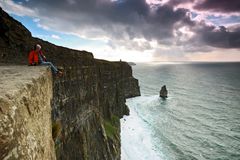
(25, 113)
(86, 103)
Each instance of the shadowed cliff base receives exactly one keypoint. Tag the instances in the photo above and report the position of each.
(87, 101)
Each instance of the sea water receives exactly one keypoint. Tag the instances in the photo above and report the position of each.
(200, 119)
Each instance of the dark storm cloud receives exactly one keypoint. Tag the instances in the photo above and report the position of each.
(221, 38)
(131, 18)
(219, 5)
(177, 2)
(123, 20)
(215, 36)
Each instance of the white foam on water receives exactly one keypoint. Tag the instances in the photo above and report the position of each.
(136, 140)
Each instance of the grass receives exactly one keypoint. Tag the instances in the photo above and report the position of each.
(111, 127)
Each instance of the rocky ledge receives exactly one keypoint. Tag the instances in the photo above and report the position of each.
(25, 113)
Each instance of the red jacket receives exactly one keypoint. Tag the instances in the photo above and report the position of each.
(33, 57)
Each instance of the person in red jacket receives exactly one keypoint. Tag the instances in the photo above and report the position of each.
(36, 57)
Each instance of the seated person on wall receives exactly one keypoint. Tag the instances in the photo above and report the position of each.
(36, 57)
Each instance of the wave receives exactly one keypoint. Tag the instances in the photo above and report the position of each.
(136, 140)
(199, 120)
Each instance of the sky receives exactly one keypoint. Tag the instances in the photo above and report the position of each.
(136, 30)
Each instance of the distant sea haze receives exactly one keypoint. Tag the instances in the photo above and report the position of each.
(199, 120)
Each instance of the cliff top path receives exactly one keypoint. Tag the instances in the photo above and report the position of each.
(14, 77)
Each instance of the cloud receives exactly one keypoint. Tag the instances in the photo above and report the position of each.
(137, 24)
(115, 20)
(216, 36)
(55, 36)
(218, 6)
(18, 9)
(36, 20)
(178, 2)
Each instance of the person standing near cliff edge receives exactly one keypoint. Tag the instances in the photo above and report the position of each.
(36, 57)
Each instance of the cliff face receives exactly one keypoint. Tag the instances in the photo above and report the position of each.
(87, 101)
(25, 113)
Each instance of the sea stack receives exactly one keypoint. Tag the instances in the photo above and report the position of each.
(163, 92)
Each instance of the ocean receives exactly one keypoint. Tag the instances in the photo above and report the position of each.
(199, 120)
